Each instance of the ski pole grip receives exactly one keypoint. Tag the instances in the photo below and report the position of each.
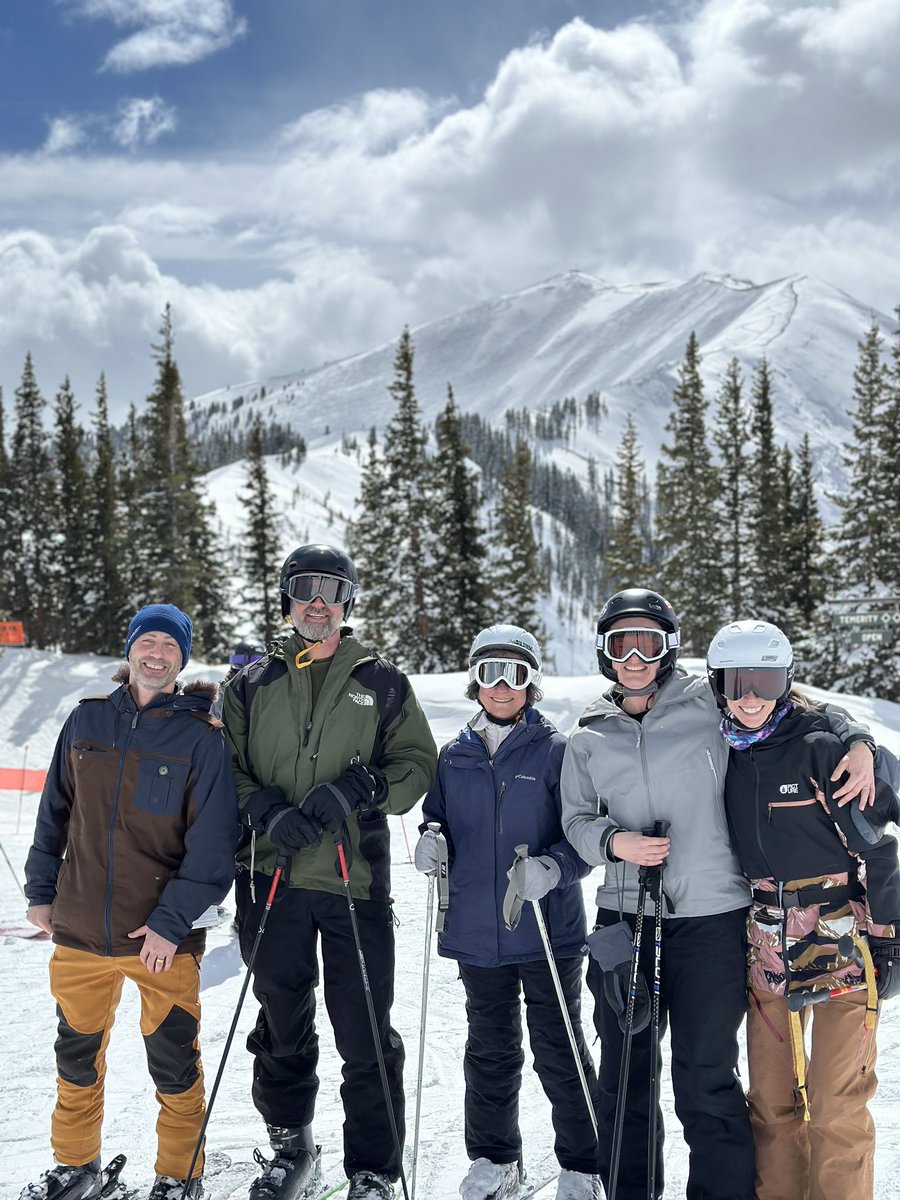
(434, 826)
(522, 851)
(657, 829)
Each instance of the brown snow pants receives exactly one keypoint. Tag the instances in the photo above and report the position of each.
(831, 1156)
(87, 989)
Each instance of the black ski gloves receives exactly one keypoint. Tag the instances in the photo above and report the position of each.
(886, 957)
(612, 947)
(286, 827)
(330, 804)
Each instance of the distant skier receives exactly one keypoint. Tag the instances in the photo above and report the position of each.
(498, 786)
(134, 840)
(326, 738)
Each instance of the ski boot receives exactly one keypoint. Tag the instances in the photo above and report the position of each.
(574, 1185)
(369, 1185)
(486, 1180)
(66, 1183)
(167, 1188)
(296, 1170)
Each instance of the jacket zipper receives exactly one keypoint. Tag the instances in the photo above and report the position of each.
(109, 837)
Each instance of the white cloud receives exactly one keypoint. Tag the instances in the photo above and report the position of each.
(758, 138)
(141, 122)
(63, 133)
(169, 32)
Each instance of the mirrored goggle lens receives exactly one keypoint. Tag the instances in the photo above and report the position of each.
(766, 683)
(619, 644)
(488, 672)
(331, 588)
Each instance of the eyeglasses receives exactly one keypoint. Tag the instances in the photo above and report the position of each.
(330, 588)
(766, 683)
(488, 672)
(650, 645)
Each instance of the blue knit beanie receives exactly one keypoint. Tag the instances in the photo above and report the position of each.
(162, 618)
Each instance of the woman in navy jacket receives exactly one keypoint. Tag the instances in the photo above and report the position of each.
(497, 787)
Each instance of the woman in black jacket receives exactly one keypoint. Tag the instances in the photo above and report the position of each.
(826, 894)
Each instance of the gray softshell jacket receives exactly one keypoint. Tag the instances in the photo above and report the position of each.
(619, 773)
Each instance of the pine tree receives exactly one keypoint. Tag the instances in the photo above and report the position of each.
(398, 623)
(260, 545)
(688, 534)
(70, 565)
(860, 549)
(370, 543)
(729, 438)
(765, 517)
(803, 585)
(519, 581)
(109, 551)
(886, 483)
(7, 574)
(31, 541)
(460, 579)
(627, 560)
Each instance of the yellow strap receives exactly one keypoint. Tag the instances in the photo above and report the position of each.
(798, 1049)
(302, 654)
(862, 945)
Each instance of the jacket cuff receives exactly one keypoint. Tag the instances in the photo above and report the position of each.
(605, 839)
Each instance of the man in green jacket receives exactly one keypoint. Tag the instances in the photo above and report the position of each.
(326, 738)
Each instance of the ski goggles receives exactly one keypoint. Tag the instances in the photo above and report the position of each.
(330, 588)
(488, 672)
(766, 683)
(650, 645)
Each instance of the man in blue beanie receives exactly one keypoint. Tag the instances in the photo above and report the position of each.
(135, 839)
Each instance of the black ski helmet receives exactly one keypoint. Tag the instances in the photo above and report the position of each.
(638, 602)
(318, 559)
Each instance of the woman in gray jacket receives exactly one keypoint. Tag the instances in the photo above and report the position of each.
(650, 750)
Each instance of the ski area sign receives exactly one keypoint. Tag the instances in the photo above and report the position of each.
(12, 633)
(869, 628)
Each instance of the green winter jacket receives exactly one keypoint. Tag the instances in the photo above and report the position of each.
(366, 710)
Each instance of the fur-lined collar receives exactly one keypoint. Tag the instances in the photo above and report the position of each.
(199, 687)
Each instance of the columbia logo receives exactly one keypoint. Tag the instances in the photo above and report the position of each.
(362, 699)
(531, 778)
(790, 789)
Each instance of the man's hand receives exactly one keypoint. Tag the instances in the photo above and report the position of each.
(640, 850)
(859, 766)
(39, 914)
(289, 830)
(157, 953)
(330, 804)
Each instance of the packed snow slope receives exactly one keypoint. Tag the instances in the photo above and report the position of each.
(574, 334)
(37, 691)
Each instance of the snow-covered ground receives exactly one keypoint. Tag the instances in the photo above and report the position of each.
(37, 690)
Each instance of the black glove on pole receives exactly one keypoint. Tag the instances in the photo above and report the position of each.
(330, 804)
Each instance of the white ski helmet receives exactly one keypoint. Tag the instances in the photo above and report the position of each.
(498, 640)
(750, 647)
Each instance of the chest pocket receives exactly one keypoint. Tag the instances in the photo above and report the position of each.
(160, 785)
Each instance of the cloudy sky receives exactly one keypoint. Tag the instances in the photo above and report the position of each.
(301, 178)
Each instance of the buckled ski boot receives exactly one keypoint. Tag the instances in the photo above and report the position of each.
(296, 1170)
(369, 1185)
(486, 1180)
(66, 1183)
(168, 1188)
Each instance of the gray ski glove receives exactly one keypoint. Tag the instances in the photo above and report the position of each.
(426, 854)
(533, 878)
(613, 948)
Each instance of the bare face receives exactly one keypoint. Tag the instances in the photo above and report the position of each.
(501, 700)
(154, 662)
(750, 711)
(317, 621)
(634, 674)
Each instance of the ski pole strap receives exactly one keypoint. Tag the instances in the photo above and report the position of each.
(798, 1051)
(442, 876)
(513, 903)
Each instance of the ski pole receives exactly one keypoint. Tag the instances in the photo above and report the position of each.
(619, 1121)
(435, 828)
(270, 900)
(654, 877)
(370, 1005)
(522, 852)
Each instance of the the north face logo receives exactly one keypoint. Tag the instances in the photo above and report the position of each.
(361, 698)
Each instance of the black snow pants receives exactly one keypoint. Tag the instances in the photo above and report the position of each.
(703, 1000)
(494, 1059)
(285, 1044)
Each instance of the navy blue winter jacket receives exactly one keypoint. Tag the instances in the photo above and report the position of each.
(487, 808)
(137, 824)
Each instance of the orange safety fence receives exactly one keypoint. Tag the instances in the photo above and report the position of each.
(16, 779)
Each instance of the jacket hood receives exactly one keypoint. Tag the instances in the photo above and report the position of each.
(681, 686)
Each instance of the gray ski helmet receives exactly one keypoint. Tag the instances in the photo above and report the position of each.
(497, 640)
(638, 602)
(318, 559)
(755, 645)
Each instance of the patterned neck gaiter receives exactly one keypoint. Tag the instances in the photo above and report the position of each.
(742, 739)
